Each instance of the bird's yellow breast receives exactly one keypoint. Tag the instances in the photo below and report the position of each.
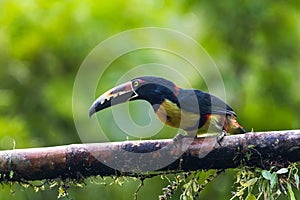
(170, 114)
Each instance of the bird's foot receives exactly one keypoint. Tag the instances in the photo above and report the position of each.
(221, 136)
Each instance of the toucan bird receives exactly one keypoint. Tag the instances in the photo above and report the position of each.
(192, 110)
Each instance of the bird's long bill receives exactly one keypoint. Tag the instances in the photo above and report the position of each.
(114, 96)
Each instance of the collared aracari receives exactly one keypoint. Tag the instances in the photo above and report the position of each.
(194, 111)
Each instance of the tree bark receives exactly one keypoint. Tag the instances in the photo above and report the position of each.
(136, 158)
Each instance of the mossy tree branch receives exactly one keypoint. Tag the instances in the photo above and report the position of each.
(261, 149)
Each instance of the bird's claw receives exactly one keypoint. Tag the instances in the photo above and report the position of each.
(221, 136)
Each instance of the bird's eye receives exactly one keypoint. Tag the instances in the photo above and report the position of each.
(135, 83)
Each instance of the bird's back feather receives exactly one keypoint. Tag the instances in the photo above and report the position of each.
(202, 103)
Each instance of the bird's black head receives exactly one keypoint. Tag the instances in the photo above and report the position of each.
(149, 88)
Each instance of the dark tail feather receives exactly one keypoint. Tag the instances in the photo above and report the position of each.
(243, 130)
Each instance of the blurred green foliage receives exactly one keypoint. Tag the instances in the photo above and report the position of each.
(255, 45)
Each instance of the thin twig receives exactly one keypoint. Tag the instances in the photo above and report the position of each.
(138, 188)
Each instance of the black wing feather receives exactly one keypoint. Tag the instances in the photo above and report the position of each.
(207, 103)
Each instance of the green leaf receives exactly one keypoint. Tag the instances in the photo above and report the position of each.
(273, 180)
(194, 186)
(296, 177)
(183, 197)
(53, 184)
(282, 171)
(249, 182)
(61, 192)
(290, 191)
(266, 174)
(278, 192)
(239, 193)
(250, 196)
(11, 174)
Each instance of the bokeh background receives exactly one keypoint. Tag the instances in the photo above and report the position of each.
(255, 44)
